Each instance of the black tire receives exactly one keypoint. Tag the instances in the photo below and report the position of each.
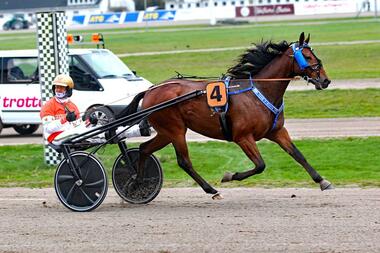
(124, 175)
(103, 114)
(25, 129)
(91, 193)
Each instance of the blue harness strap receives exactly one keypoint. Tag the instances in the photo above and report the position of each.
(259, 95)
(227, 83)
(269, 105)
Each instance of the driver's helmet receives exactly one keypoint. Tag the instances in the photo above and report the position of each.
(66, 81)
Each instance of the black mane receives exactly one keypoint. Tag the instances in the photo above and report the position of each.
(256, 58)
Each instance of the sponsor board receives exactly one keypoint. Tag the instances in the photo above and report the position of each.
(78, 20)
(131, 17)
(109, 18)
(325, 7)
(159, 15)
(264, 10)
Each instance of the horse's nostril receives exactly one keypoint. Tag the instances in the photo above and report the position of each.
(326, 82)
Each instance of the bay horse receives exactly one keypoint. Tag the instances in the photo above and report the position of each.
(250, 118)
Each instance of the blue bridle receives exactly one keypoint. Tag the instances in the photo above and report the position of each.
(300, 59)
(302, 63)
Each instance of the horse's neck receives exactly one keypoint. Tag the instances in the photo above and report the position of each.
(274, 90)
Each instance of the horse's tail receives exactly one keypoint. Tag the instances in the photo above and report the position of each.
(133, 106)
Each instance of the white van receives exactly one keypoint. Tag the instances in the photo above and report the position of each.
(100, 78)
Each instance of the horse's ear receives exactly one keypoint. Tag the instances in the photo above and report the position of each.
(307, 39)
(301, 39)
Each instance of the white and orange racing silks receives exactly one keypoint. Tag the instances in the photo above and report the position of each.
(53, 116)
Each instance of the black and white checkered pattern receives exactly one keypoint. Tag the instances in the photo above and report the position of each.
(53, 60)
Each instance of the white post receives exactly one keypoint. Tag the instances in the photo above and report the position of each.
(211, 7)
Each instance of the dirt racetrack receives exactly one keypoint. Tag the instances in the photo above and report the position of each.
(187, 220)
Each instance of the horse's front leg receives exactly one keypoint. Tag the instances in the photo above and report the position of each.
(183, 159)
(282, 138)
(248, 145)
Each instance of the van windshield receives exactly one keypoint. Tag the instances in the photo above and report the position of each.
(107, 65)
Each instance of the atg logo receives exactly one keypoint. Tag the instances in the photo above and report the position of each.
(111, 18)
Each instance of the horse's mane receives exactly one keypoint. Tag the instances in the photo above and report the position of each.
(256, 58)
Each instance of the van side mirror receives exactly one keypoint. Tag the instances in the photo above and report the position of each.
(134, 72)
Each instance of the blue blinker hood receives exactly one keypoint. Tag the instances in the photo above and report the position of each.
(302, 63)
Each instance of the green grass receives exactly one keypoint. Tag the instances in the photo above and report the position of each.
(159, 39)
(345, 162)
(341, 62)
(332, 103)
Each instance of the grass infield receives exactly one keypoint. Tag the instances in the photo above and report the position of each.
(345, 162)
(355, 61)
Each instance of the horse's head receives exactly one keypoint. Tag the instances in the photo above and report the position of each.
(308, 65)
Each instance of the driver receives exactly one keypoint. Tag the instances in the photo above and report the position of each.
(61, 118)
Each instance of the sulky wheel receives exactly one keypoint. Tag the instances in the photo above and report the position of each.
(93, 189)
(124, 174)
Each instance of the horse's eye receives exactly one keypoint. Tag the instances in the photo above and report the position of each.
(308, 57)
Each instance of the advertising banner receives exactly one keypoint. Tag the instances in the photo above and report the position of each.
(325, 7)
(131, 17)
(264, 10)
(160, 15)
(78, 20)
(109, 18)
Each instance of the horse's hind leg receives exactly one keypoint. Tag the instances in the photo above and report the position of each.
(147, 148)
(248, 145)
(282, 138)
(183, 159)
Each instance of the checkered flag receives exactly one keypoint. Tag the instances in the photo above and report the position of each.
(53, 60)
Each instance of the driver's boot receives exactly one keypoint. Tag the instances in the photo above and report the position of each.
(142, 129)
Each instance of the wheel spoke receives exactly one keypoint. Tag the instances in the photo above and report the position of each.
(65, 178)
(70, 193)
(87, 197)
(95, 184)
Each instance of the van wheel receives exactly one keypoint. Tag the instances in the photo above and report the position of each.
(25, 129)
(17, 26)
(102, 113)
(1, 126)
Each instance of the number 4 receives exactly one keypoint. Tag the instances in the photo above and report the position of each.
(216, 94)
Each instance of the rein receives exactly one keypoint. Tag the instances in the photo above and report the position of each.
(275, 79)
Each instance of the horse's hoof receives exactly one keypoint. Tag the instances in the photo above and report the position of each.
(217, 196)
(227, 177)
(326, 185)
